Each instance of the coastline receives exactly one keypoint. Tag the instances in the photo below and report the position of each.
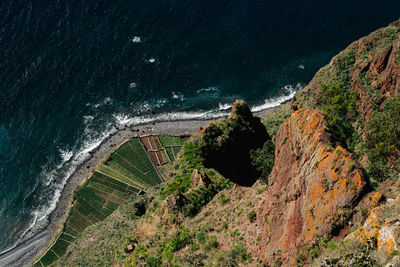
(28, 249)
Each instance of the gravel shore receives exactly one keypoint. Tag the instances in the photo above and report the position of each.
(27, 250)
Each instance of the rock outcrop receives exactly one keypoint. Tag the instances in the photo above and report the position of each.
(311, 189)
(226, 144)
(199, 179)
(381, 229)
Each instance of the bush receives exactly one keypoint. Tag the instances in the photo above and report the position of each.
(238, 255)
(263, 160)
(223, 199)
(251, 216)
(383, 141)
(338, 103)
(153, 262)
(212, 242)
(201, 236)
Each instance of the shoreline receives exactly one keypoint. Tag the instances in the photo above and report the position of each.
(29, 248)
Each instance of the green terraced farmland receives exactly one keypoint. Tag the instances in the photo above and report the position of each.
(127, 172)
(172, 145)
(168, 141)
(132, 160)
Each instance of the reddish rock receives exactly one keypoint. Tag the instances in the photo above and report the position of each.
(310, 187)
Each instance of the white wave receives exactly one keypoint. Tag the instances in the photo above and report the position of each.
(289, 92)
(122, 119)
(209, 89)
(66, 155)
(301, 67)
(222, 110)
(136, 39)
(178, 96)
(69, 164)
(174, 116)
(87, 119)
(224, 106)
(22, 235)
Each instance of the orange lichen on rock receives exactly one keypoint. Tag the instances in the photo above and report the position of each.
(373, 201)
(311, 185)
(370, 229)
(384, 232)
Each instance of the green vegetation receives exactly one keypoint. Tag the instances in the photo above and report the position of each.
(190, 203)
(172, 145)
(190, 161)
(125, 172)
(225, 144)
(132, 159)
(345, 253)
(212, 243)
(238, 255)
(251, 216)
(169, 141)
(181, 238)
(383, 141)
(274, 119)
(223, 199)
(263, 160)
(338, 103)
(202, 236)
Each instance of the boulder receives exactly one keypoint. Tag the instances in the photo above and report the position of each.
(199, 179)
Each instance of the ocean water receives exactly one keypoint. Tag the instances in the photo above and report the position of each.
(70, 71)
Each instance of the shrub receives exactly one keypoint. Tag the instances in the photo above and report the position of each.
(251, 216)
(383, 141)
(238, 255)
(223, 199)
(201, 236)
(338, 103)
(212, 242)
(263, 159)
(153, 262)
(181, 238)
(331, 245)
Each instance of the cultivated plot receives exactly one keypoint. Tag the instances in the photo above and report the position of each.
(136, 165)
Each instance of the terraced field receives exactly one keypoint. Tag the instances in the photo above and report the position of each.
(137, 164)
(172, 145)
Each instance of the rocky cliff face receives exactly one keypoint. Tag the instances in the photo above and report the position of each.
(316, 192)
(311, 189)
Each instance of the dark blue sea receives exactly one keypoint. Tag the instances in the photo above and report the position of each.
(70, 71)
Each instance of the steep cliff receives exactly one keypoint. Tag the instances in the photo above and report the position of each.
(327, 201)
(312, 187)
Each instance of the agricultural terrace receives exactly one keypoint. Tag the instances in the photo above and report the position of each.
(137, 164)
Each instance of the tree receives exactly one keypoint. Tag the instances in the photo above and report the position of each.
(383, 140)
(263, 159)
